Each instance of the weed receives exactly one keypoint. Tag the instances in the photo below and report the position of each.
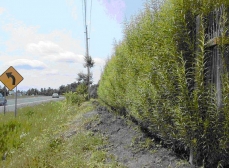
(37, 138)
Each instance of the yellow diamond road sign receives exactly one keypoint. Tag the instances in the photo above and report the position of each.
(11, 78)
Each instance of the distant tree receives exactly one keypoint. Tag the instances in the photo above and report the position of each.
(62, 89)
(4, 91)
(74, 86)
(83, 78)
(89, 63)
(54, 91)
(32, 91)
(49, 91)
(36, 91)
(28, 92)
(68, 88)
(42, 91)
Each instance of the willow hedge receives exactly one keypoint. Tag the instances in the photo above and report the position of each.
(158, 75)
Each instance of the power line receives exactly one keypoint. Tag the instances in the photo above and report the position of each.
(85, 23)
(90, 25)
(83, 14)
(85, 8)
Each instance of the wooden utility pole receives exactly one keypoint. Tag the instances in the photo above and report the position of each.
(87, 51)
(88, 68)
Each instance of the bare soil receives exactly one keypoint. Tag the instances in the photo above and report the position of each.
(130, 146)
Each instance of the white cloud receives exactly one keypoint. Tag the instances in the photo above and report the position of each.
(74, 13)
(66, 41)
(27, 38)
(50, 72)
(74, 8)
(96, 74)
(99, 62)
(43, 48)
(27, 64)
(53, 52)
(2, 10)
(20, 35)
(69, 57)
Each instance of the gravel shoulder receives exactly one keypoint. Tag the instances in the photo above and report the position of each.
(129, 145)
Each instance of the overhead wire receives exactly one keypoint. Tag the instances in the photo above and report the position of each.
(84, 12)
(90, 25)
(85, 8)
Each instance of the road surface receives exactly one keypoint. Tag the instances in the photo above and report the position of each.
(21, 102)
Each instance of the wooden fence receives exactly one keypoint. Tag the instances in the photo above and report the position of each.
(216, 27)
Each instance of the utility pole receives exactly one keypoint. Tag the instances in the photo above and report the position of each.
(87, 57)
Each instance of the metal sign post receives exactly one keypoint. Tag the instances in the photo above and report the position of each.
(4, 100)
(15, 112)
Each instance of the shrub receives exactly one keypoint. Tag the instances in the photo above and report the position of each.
(158, 74)
(77, 97)
(10, 137)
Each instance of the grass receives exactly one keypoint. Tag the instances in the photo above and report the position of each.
(51, 135)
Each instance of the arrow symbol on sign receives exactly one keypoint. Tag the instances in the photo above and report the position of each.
(9, 75)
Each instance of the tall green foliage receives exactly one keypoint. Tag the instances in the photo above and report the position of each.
(158, 71)
(77, 97)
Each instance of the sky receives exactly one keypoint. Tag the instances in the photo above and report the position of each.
(44, 40)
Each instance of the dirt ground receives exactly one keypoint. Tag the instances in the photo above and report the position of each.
(130, 145)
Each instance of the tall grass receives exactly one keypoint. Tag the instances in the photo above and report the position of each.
(51, 135)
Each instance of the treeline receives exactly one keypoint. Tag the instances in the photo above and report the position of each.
(4, 91)
(43, 91)
(157, 76)
(49, 91)
(72, 87)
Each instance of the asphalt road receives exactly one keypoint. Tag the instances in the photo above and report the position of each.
(21, 102)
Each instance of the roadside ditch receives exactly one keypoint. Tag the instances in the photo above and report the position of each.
(130, 145)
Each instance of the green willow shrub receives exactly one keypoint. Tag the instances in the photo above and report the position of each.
(10, 137)
(158, 71)
(77, 97)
